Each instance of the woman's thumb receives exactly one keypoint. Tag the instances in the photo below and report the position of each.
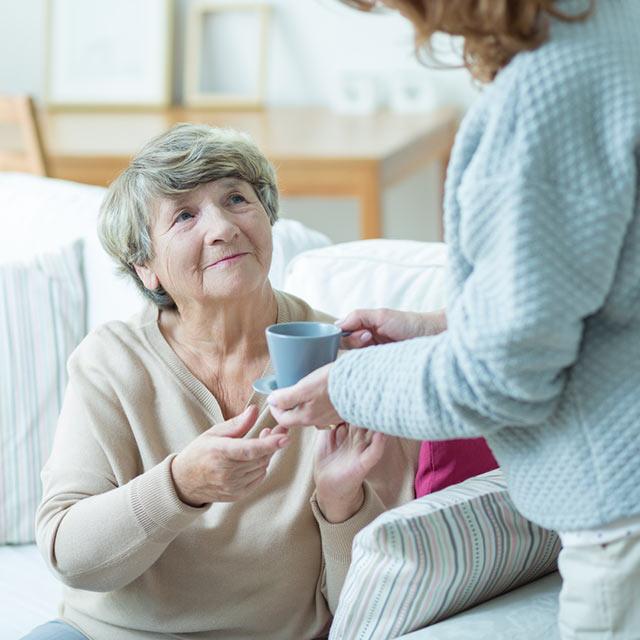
(352, 321)
(373, 453)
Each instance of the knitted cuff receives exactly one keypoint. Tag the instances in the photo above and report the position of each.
(156, 504)
(338, 537)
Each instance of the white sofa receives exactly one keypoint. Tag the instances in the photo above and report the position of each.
(41, 214)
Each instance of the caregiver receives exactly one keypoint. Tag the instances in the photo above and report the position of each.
(541, 350)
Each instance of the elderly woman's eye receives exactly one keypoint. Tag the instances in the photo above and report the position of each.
(237, 198)
(183, 216)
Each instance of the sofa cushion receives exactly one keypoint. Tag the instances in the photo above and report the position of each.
(43, 214)
(401, 274)
(30, 592)
(445, 462)
(42, 319)
(439, 555)
(527, 613)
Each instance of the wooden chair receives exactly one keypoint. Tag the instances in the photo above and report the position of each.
(19, 111)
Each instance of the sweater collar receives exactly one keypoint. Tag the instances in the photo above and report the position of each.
(161, 347)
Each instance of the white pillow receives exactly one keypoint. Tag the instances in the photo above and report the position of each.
(291, 238)
(40, 215)
(43, 214)
(50, 214)
(400, 274)
(42, 319)
(110, 295)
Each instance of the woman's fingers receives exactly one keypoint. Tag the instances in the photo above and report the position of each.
(252, 449)
(373, 453)
(236, 427)
(341, 434)
(289, 398)
(358, 320)
(306, 403)
(280, 430)
(331, 437)
(357, 340)
(290, 417)
(389, 325)
(366, 326)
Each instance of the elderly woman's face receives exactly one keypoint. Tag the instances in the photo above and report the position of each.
(214, 242)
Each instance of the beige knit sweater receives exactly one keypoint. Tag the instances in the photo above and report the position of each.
(137, 562)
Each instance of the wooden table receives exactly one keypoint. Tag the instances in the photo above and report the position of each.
(315, 152)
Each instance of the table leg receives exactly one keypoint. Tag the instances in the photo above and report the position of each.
(370, 201)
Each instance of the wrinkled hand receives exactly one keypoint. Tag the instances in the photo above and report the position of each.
(305, 403)
(222, 466)
(381, 326)
(344, 457)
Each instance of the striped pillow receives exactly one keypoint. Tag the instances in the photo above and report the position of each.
(436, 556)
(42, 319)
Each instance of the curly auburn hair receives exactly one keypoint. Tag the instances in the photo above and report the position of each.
(494, 31)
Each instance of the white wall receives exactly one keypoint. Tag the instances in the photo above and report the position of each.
(312, 43)
(22, 46)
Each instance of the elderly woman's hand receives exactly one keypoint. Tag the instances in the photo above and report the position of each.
(344, 457)
(222, 466)
(381, 326)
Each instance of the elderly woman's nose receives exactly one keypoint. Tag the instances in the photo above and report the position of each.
(219, 227)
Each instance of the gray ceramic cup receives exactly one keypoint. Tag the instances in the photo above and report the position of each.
(298, 348)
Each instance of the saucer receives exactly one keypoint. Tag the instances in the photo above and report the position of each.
(265, 385)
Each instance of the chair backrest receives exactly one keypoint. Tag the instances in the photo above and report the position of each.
(19, 111)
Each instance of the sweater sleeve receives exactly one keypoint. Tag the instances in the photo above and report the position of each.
(96, 532)
(541, 191)
(543, 260)
(337, 540)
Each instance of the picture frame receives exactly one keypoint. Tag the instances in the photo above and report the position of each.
(108, 53)
(234, 68)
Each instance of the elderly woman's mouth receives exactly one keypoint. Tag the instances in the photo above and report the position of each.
(227, 260)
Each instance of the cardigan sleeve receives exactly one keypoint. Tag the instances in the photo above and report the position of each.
(337, 539)
(95, 532)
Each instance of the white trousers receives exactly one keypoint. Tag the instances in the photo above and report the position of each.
(600, 597)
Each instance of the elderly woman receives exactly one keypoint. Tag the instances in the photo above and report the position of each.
(174, 506)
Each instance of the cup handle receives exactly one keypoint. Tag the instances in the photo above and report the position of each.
(346, 334)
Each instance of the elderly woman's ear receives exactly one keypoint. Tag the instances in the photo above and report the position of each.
(148, 277)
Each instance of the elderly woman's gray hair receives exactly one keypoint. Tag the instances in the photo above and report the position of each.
(172, 164)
